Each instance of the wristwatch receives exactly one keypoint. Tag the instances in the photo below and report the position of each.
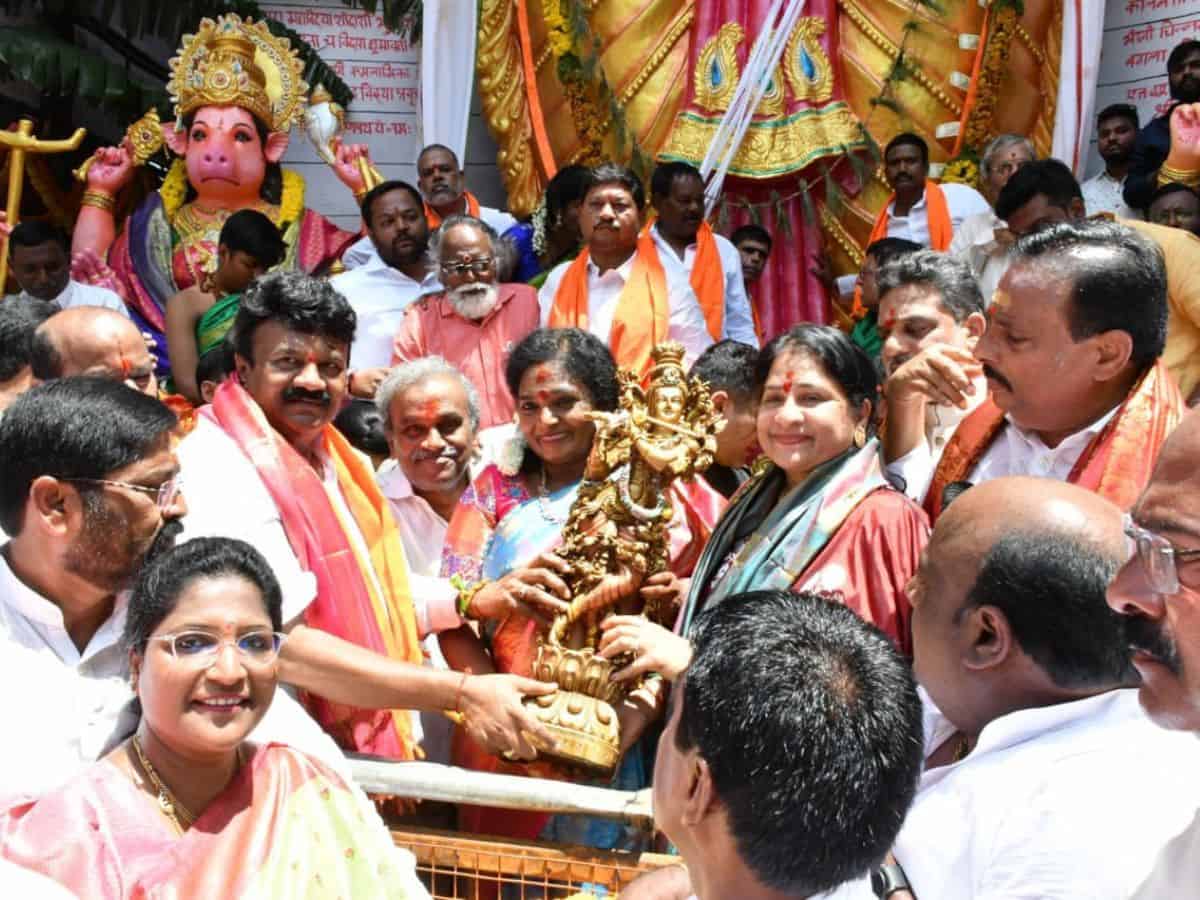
(888, 879)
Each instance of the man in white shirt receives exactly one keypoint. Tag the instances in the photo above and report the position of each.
(1158, 591)
(1052, 781)
(982, 240)
(683, 239)
(394, 215)
(443, 186)
(89, 340)
(611, 221)
(1072, 359)
(40, 260)
(90, 492)
(931, 317)
(906, 166)
(431, 418)
(1116, 134)
(265, 464)
(790, 754)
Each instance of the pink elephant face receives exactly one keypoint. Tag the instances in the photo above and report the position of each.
(226, 159)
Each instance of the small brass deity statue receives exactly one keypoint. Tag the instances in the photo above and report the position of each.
(614, 539)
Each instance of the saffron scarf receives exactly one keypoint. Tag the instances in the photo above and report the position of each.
(348, 604)
(434, 218)
(707, 279)
(285, 827)
(1118, 462)
(941, 230)
(777, 532)
(643, 311)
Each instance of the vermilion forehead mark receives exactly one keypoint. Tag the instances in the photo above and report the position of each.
(889, 321)
(542, 374)
(543, 396)
(788, 380)
(310, 357)
(429, 412)
(126, 366)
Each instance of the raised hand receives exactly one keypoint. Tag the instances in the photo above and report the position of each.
(496, 718)
(111, 169)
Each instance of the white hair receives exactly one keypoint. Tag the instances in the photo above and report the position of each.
(1003, 142)
(439, 234)
(408, 374)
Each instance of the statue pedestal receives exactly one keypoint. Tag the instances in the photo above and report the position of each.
(580, 714)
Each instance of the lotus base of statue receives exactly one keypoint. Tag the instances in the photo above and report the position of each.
(581, 714)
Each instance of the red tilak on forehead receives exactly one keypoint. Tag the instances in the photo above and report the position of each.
(543, 396)
(542, 374)
(429, 411)
(787, 381)
(126, 367)
(311, 357)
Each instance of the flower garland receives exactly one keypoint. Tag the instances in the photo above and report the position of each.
(961, 170)
(538, 221)
(175, 187)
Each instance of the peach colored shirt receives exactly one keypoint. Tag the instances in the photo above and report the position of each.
(478, 348)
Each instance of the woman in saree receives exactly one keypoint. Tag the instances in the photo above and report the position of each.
(819, 516)
(499, 546)
(186, 807)
(198, 318)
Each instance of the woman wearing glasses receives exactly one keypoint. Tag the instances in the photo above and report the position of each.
(186, 806)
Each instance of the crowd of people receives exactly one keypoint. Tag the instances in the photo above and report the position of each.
(936, 621)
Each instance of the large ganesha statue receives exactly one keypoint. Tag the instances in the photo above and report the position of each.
(237, 91)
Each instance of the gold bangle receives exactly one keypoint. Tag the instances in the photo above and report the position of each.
(1168, 174)
(98, 199)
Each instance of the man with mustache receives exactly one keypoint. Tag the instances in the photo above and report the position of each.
(1072, 359)
(1046, 192)
(381, 290)
(693, 255)
(931, 316)
(1158, 590)
(91, 491)
(475, 321)
(443, 183)
(1116, 133)
(267, 466)
(1039, 758)
(1168, 148)
(617, 288)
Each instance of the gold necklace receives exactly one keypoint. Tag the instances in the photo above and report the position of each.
(179, 814)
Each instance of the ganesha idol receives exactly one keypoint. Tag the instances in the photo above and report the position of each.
(237, 91)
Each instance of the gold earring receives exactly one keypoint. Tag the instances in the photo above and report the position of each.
(860, 435)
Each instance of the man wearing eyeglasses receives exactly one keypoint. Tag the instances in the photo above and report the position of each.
(90, 340)
(91, 493)
(380, 290)
(1158, 590)
(475, 321)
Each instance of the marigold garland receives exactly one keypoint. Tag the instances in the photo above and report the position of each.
(175, 186)
(961, 171)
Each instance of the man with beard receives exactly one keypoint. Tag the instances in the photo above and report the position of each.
(91, 491)
(695, 257)
(89, 340)
(617, 288)
(1046, 192)
(1175, 205)
(475, 321)
(1158, 589)
(1116, 133)
(1072, 359)
(1044, 777)
(380, 292)
(1167, 148)
(931, 317)
(267, 466)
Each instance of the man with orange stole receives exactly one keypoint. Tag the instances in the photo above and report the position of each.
(617, 287)
(267, 466)
(1072, 359)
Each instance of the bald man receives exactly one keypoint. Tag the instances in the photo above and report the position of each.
(1045, 778)
(1158, 589)
(90, 340)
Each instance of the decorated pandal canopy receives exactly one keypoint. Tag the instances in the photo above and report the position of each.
(637, 80)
